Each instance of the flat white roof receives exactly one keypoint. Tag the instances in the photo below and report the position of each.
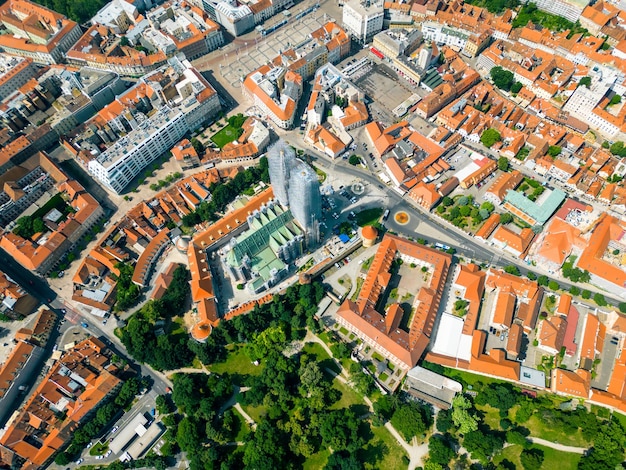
(450, 340)
(127, 433)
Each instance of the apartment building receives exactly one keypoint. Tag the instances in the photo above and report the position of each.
(36, 32)
(116, 167)
(81, 380)
(14, 72)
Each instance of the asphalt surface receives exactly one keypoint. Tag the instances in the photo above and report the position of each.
(464, 244)
(38, 288)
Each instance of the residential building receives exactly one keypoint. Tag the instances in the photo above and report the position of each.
(501, 186)
(380, 329)
(118, 15)
(123, 161)
(36, 32)
(515, 243)
(14, 73)
(568, 9)
(363, 19)
(69, 394)
(16, 301)
(551, 335)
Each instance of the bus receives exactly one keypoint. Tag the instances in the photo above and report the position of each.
(441, 246)
(385, 215)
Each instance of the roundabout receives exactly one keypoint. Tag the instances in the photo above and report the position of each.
(401, 218)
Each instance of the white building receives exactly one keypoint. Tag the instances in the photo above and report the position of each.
(117, 15)
(570, 10)
(14, 72)
(363, 18)
(121, 163)
(442, 34)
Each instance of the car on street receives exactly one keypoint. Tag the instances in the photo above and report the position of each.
(63, 311)
(109, 452)
(115, 428)
(99, 457)
(84, 324)
(89, 445)
(79, 461)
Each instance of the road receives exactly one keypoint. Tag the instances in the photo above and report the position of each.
(38, 288)
(465, 245)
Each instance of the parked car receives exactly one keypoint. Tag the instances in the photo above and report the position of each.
(84, 324)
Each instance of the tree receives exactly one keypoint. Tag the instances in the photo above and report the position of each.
(447, 201)
(489, 137)
(615, 100)
(343, 461)
(482, 445)
(187, 435)
(461, 416)
(617, 148)
(503, 164)
(444, 421)
(506, 218)
(543, 280)
(412, 419)
(339, 430)
(439, 451)
(354, 160)
(62, 458)
(266, 447)
(585, 294)
(599, 299)
(554, 150)
(553, 285)
(585, 81)
(516, 87)
(124, 41)
(531, 275)
(531, 459)
(197, 145)
(503, 79)
(514, 436)
(622, 307)
(574, 290)
(512, 269)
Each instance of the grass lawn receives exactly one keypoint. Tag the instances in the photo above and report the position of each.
(226, 135)
(383, 451)
(552, 458)
(468, 377)
(368, 216)
(242, 426)
(492, 416)
(255, 412)
(348, 396)
(237, 362)
(553, 434)
(326, 362)
(317, 460)
(99, 449)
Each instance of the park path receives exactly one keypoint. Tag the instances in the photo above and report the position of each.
(246, 416)
(311, 338)
(555, 446)
(416, 452)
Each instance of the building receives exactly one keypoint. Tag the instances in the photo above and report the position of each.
(363, 19)
(280, 158)
(296, 187)
(305, 200)
(36, 32)
(183, 101)
(501, 186)
(276, 91)
(121, 163)
(534, 212)
(118, 15)
(14, 73)
(568, 9)
(261, 256)
(69, 394)
(380, 329)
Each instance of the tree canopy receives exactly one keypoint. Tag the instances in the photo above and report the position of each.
(503, 79)
(489, 137)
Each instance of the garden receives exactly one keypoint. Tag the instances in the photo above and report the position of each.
(463, 213)
(231, 132)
